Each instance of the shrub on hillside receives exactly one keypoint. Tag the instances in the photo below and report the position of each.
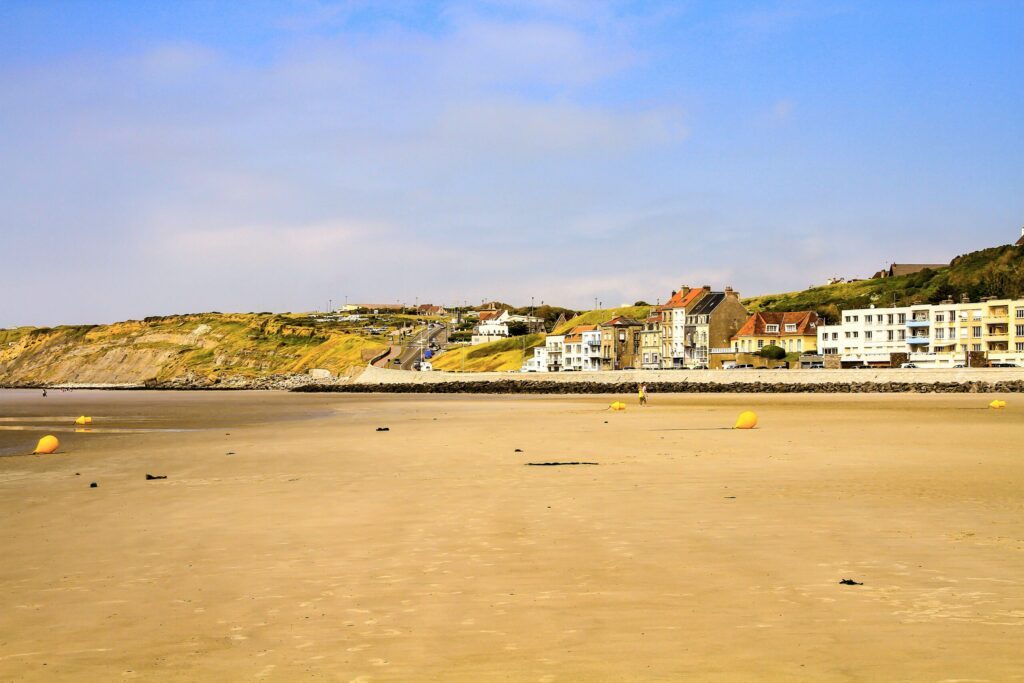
(772, 352)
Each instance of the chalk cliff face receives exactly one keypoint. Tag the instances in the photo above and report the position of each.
(204, 347)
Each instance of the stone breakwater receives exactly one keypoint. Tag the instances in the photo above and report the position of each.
(548, 387)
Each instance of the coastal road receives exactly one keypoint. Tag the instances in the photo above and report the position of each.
(411, 351)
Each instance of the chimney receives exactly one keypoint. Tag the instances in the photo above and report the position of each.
(730, 294)
(964, 299)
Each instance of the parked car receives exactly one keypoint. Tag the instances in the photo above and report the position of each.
(741, 366)
(907, 366)
(416, 365)
(1002, 365)
(699, 367)
(397, 361)
(816, 366)
(959, 366)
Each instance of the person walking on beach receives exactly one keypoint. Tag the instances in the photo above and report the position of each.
(642, 393)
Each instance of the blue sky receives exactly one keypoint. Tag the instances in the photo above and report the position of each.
(161, 158)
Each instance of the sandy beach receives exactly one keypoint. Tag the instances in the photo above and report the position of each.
(292, 540)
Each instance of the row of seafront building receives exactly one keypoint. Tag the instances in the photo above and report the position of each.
(929, 335)
(695, 328)
(701, 328)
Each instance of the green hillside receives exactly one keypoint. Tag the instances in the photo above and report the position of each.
(604, 314)
(497, 356)
(998, 271)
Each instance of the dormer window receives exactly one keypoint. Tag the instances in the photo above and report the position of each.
(771, 329)
(790, 327)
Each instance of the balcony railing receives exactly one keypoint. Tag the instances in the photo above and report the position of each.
(918, 340)
(918, 323)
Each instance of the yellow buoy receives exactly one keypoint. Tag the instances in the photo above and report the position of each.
(618, 405)
(746, 420)
(997, 404)
(47, 444)
(83, 420)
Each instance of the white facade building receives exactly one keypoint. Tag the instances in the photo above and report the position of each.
(933, 335)
(497, 328)
(554, 344)
(539, 362)
(582, 351)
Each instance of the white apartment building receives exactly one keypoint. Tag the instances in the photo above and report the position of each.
(581, 351)
(934, 335)
(539, 362)
(554, 345)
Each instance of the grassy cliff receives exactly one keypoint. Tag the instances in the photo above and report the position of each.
(998, 272)
(206, 345)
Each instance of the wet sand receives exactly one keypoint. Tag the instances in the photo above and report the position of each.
(322, 548)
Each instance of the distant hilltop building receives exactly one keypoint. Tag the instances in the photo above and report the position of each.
(897, 269)
(1020, 240)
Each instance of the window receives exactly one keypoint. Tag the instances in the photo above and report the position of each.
(856, 334)
(847, 319)
(867, 335)
(890, 318)
(847, 335)
(975, 347)
(901, 318)
(903, 335)
(892, 335)
(1020, 313)
(940, 317)
(940, 333)
(976, 331)
(835, 336)
(771, 329)
(1020, 330)
(1020, 346)
(790, 327)
(760, 343)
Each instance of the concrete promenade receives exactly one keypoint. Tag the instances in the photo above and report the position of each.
(372, 375)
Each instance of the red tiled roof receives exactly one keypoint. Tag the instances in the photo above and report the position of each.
(682, 299)
(806, 324)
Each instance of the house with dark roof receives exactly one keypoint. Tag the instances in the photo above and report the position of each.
(620, 343)
(897, 269)
(794, 331)
(710, 324)
(1020, 240)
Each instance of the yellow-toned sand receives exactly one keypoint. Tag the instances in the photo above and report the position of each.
(693, 551)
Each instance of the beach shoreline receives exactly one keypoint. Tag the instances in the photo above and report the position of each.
(293, 539)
